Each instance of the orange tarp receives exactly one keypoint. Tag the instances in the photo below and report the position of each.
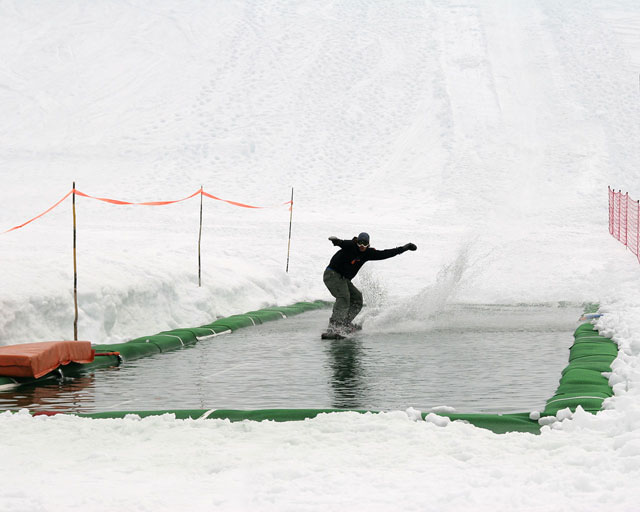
(38, 359)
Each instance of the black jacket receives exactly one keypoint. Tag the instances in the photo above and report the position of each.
(349, 259)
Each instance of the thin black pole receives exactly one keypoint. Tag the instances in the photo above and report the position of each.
(199, 241)
(290, 222)
(75, 268)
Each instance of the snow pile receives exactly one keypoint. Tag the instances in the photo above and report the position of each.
(347, 461)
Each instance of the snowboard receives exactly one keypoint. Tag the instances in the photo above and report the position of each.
(332, 336)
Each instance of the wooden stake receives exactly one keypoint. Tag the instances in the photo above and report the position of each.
(75, 268)
(290, 222)
(199, 242)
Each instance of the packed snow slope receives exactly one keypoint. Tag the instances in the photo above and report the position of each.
(484, 132)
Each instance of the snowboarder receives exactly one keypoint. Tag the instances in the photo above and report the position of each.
(343, 267)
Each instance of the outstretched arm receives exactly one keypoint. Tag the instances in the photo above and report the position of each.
(336, 241)
(390, 253)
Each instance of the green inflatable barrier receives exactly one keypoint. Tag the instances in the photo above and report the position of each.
(287, 310)
(233, 323)
(586, 389)
(98, 362)
(591, 339)
(187, 336)
(582, 383)
(586, 328)
(592, 349)
(591, 402)
(590, 363)
(595, 358)
(583, 376)
(308, 306)
(265, 316)
(129, 351)
(228, 414)
(164, 342)
(498, 423)
(203, 332)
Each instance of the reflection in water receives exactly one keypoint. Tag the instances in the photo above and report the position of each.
(347, 379)
(61, 395)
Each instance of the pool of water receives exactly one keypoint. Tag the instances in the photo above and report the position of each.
(472, 358)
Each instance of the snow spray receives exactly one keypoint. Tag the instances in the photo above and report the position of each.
(418, 312)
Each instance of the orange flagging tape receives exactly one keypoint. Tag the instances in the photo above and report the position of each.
(38, 216)
(148, 203)
(235, 203)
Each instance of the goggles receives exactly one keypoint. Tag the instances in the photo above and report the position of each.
(362, 243)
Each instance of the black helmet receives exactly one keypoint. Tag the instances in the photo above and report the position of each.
(363, 238)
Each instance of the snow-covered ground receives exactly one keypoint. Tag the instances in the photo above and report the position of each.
(486, 132)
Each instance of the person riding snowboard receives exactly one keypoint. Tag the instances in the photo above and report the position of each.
(343, 267)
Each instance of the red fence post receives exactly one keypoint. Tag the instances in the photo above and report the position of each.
(610, 212)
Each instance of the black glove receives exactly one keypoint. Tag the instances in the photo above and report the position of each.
(334, 239)
(409, 247)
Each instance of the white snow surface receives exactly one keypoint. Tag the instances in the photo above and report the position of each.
(486, 132)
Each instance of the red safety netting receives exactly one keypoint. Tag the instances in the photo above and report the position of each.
(624, 220)
(148, 203)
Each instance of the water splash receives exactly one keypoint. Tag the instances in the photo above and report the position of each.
(374, 289)
(419, 312)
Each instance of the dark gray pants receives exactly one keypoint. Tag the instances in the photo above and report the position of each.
(348, 298)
